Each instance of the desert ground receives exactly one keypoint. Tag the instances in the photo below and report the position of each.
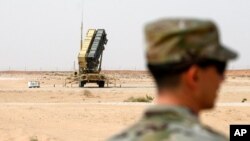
(59, 112)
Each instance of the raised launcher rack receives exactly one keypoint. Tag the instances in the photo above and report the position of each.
(95, 51)
(85, 45)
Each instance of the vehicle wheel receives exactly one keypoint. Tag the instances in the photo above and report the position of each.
(81, 84)
(101, 84)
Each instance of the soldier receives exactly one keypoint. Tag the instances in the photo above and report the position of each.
(188, 63)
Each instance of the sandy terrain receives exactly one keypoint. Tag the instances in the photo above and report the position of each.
(57, 113)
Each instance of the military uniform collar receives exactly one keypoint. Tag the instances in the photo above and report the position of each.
(169, 111)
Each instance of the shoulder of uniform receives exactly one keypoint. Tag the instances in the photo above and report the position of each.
(195, 133)
(170, 132)
(142, 132)
(214, 133)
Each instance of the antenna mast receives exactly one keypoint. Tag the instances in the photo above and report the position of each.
(81, 25)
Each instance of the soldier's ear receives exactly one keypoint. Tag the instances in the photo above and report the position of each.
(191, 77)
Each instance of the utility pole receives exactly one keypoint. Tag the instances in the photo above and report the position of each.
(74, 66)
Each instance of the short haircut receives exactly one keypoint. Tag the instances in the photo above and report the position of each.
(168, 75)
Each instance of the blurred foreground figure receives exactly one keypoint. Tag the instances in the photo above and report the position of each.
(188, 62)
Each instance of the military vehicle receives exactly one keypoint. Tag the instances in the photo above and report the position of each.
(90, 58)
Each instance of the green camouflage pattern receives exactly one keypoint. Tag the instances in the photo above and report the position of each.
(168, 123)
(182, 40)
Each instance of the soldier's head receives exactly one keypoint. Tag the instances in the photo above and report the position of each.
(187, 53)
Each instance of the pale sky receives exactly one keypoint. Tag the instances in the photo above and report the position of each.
(45, 34)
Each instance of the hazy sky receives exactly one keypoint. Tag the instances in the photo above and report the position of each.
(45, 34)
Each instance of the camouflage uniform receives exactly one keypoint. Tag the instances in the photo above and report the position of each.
(168, 123)
(177, 42)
